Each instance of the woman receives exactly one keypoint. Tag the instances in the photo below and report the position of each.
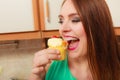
(93, 52)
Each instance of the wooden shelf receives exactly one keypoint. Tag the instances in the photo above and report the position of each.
(20, 36)
(117, 31)
(49, 33)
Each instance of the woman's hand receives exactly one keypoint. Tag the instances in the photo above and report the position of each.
(41, 61)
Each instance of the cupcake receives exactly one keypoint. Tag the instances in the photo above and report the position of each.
(59, 44)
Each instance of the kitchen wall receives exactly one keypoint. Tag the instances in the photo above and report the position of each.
(16, 58)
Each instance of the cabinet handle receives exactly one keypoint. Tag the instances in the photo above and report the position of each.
(47, 11)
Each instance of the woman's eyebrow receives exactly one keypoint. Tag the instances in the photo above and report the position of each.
(70, 15)
(73, 14)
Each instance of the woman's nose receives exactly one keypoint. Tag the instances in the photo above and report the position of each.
(65, 27)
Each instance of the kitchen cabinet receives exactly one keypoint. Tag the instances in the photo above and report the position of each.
(19, 19)
(49, 11)
(27, 19)
(17, 16)
(114, 6)
(115, 12)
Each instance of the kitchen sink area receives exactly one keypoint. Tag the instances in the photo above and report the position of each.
(16, 58)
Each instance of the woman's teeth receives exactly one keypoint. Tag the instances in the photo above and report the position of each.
(72, 41)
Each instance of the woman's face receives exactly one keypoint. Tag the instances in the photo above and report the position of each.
(72, 30)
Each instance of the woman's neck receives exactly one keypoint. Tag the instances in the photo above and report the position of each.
(79, 68)
(79, 61)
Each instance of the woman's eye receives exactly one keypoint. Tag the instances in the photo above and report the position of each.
(76, 20)
(60, 21)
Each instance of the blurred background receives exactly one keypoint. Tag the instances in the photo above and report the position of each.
(25, 26)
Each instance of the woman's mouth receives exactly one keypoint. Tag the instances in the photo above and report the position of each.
(73, 44)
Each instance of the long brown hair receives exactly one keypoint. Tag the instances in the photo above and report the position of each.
(103, 52)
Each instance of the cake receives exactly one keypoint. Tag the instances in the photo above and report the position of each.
(59, 44)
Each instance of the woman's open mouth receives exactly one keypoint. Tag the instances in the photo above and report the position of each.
(73, 43)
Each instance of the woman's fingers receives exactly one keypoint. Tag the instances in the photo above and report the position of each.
(38, 73)
(42, 52)
(37, 70)
(41, 62)
(45, 59)
(45, 56)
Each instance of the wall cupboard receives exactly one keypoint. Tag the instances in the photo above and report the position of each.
(19, 19)
(115, 12)
(49, 11)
